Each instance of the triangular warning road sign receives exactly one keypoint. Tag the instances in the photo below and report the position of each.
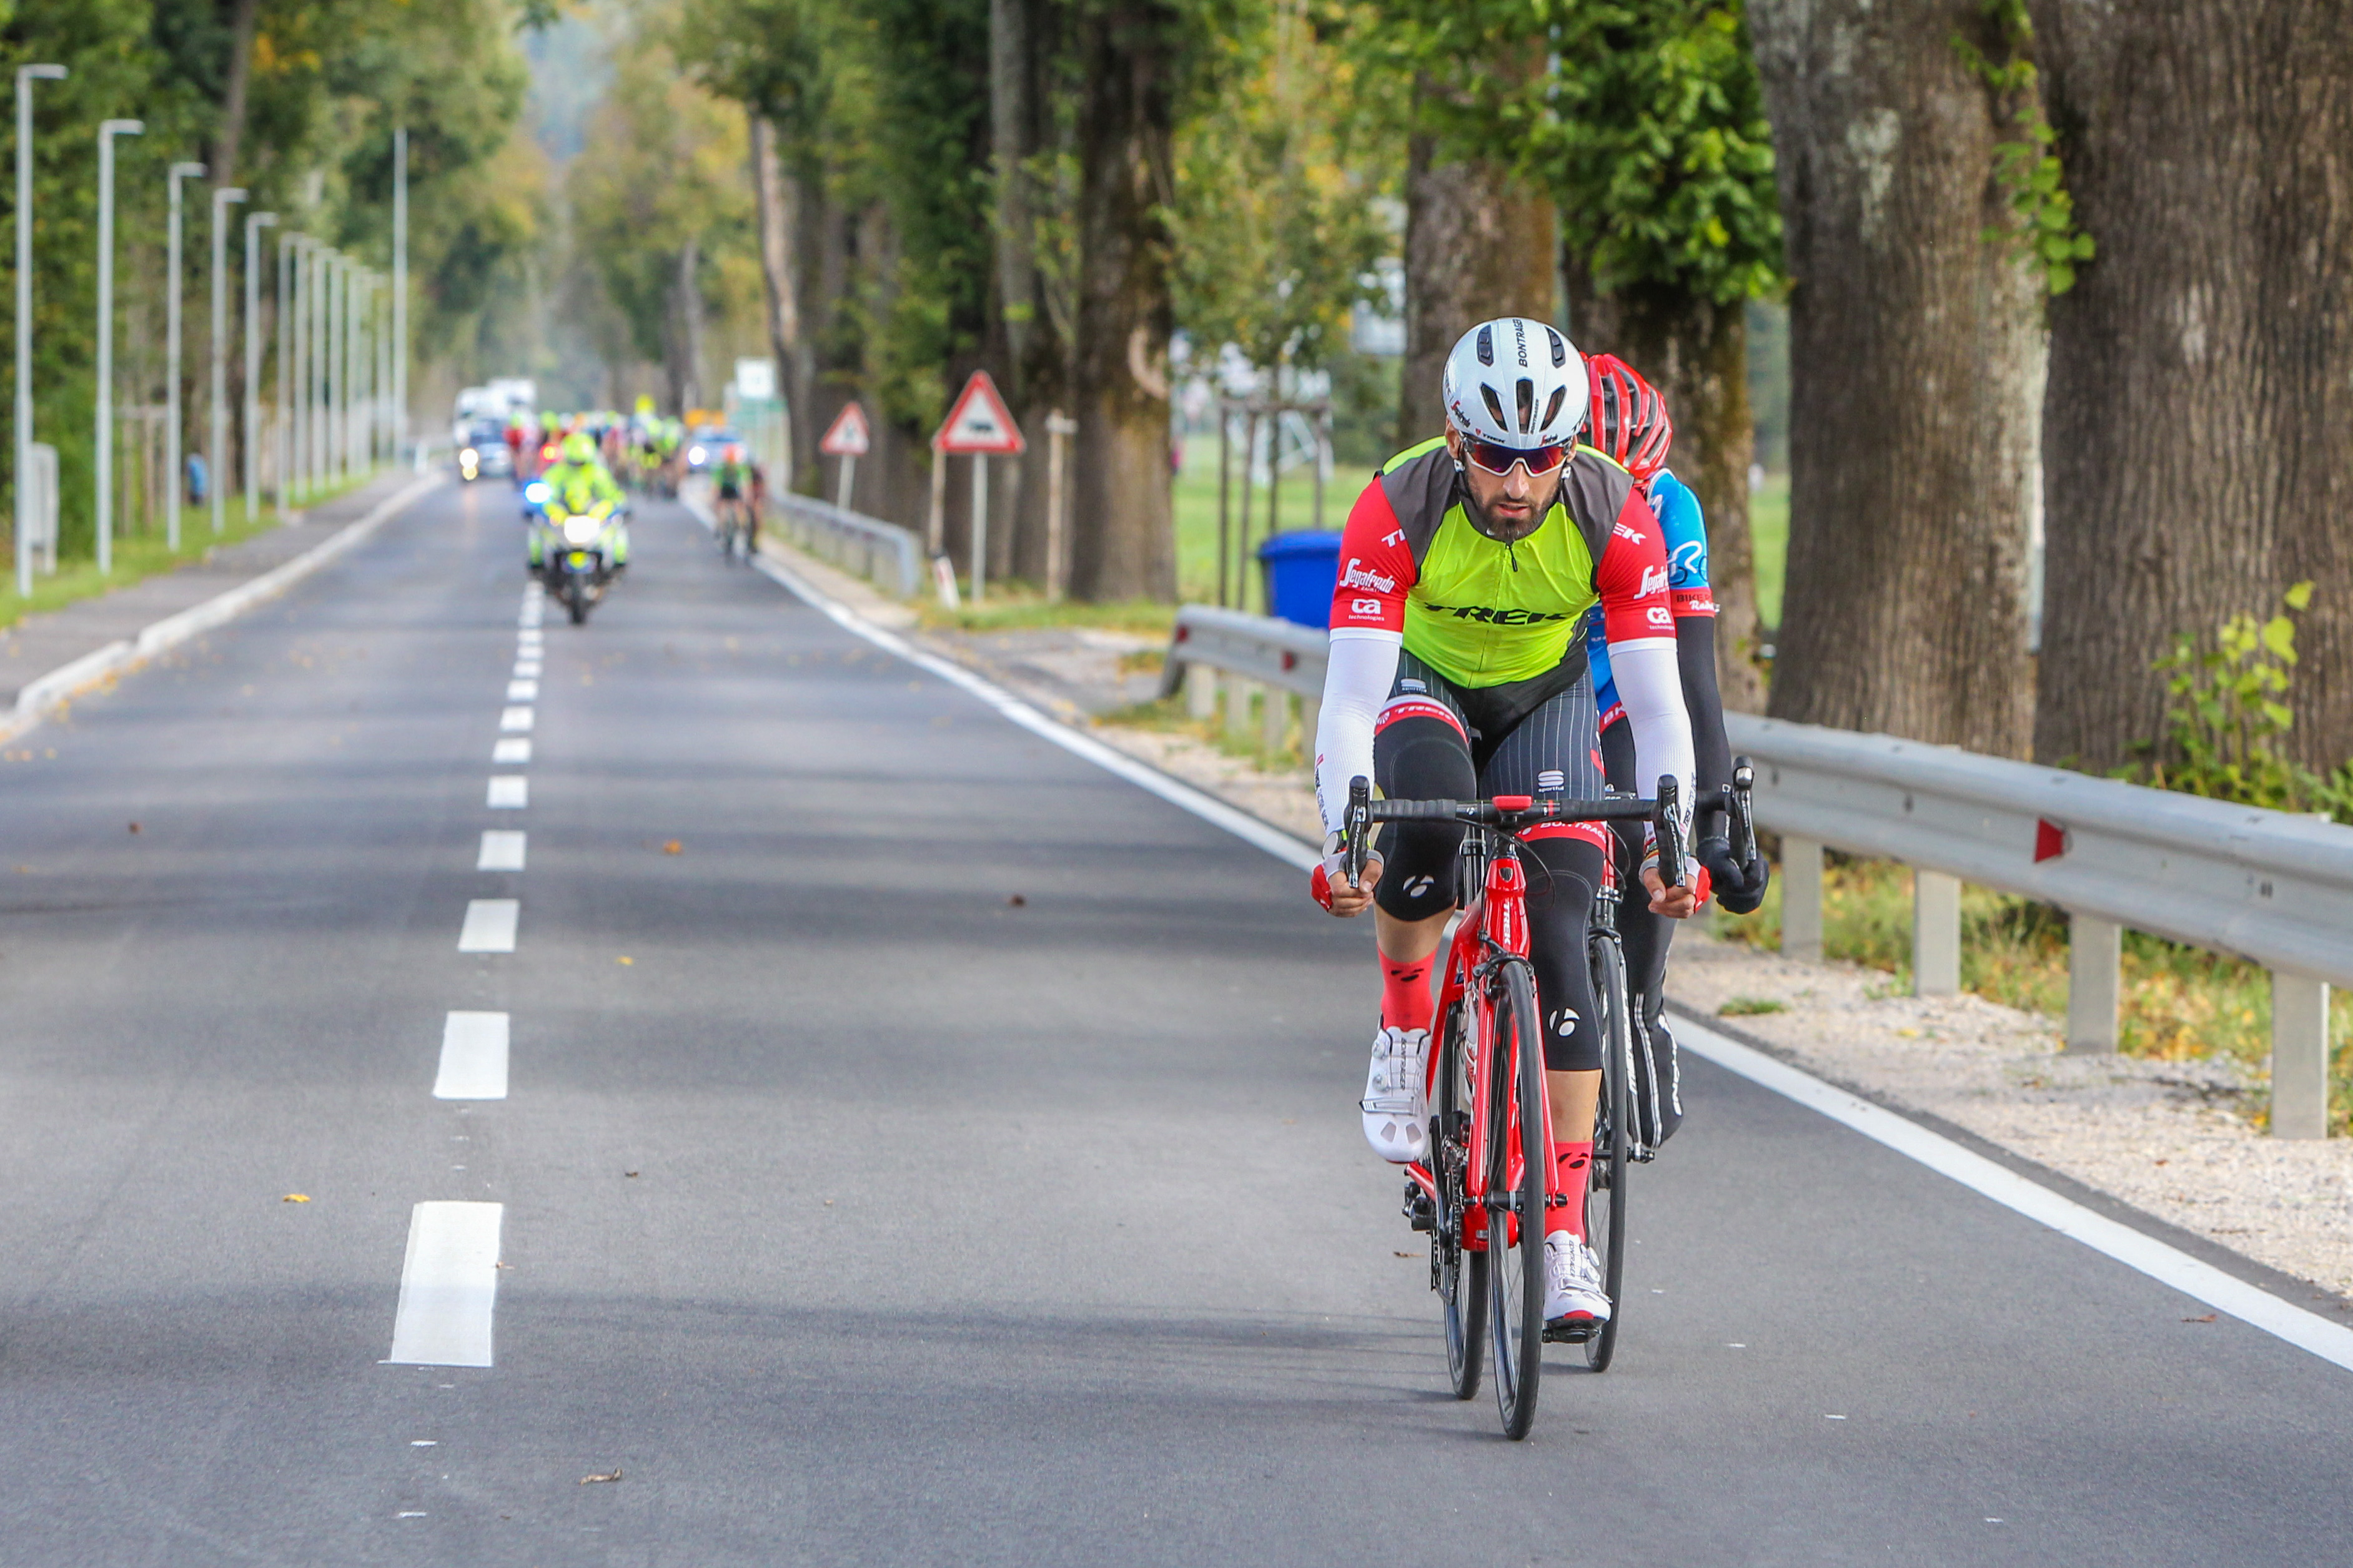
(980, 425)
(846, 437)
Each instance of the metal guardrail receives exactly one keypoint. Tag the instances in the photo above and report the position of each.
(889, 557)
(2265, 886)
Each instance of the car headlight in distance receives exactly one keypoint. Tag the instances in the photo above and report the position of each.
(536, 492)
(582, 529)
(694, 456)
(469, 456)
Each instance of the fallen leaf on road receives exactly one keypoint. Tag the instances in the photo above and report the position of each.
(503, 1265)
(592, 1480)
(629, 1173)
(1408, 1255)
(1017, 901)
(2207, 1318)
(673, 847)
(625, 958)
(295, 1198)
(134, 828)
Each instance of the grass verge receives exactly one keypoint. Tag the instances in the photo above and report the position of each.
(139, 556)
(2178, 1004)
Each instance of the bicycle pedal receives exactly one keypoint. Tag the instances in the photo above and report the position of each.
(1419, 1210)
(1574, 1332)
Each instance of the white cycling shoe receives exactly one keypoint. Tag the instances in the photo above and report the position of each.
(1397, 1095)
(1573, 1292)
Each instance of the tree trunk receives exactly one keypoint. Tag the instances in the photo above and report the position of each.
(1011, 139)
(240, 72)
(1478, 245)
(1123, 522)
(777, 273)
(684, 347)
(2200, 435)
(1695, 352)
(1916, 348)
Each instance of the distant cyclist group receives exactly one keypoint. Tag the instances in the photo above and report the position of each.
(1522, 614)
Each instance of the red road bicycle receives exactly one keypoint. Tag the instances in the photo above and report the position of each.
(1487, 1180)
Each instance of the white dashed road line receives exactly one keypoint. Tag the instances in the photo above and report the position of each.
(449, 1285)
(503, 851)
(515, 721)
(510, 792)
(511, 752)
(523, 690)
(489, 925)
(473, 1058)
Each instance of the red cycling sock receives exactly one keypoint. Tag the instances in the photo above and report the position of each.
(1570, 1162)
(1405, 994)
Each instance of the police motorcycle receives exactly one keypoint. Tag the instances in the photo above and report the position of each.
(577, 554)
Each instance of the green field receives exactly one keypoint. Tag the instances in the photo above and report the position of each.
(1197, 515)
(1768, 528)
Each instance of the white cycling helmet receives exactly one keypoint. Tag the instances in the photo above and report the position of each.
(1517, 383)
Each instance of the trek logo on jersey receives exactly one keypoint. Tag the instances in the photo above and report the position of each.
(1487, 616)
(1655, 581)
(1634, 534)
(1393, 538)
(1360, 576)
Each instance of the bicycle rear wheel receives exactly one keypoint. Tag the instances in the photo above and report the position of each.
(1456, 1273)
(1515, 1219)
(1605, 1187)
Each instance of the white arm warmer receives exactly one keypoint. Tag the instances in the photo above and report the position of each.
(1650, 686)
(1358, 675)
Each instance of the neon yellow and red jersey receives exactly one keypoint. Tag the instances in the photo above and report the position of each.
(1482, 612)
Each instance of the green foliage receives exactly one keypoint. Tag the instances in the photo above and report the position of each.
(1650, 135)
(2027, 169)
(1278, 219)
(2228, 715)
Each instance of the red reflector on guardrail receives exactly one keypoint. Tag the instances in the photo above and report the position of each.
(2050, 840)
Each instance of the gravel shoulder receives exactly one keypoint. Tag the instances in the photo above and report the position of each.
(2168, 1138)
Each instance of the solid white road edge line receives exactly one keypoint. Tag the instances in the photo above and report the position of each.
(473, 1058)
(449, 1285)
(1207, 808)
(2165, 1264)
(489, 925)
(502, 849)
(37, 698)
(2168, 1265)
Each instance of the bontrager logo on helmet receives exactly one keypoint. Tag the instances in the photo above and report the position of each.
(1517, 383)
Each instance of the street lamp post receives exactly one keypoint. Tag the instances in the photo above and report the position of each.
(214, 474)
(315, 262)
(355, 360)
(103, 458)
(283, 426)
(26, 77)
(179, 482)
(254, 224)
(330, 384)
(399, 291)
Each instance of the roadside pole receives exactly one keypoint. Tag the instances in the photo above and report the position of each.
(283, 426)
(1060, 427)
(849, 439)
(102, 458)
(216, 479)
(26, 77)
(254, 224)
(399, 291)
(173, 457)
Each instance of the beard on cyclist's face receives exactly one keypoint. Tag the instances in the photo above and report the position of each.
(1508, 506)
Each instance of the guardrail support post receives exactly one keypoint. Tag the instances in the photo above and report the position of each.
(2094, 965)
(1201, 691)
(1274, 721)
(1237, 707)
(1802, 898)
(1936, 933)
(2299, 1057)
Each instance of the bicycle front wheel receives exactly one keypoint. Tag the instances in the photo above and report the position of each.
(1515, 1214)
(1605, 1186)
(1458, 1274)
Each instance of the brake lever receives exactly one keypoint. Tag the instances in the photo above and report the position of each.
(1358, 827)
(1744, 820)
(1670, 830)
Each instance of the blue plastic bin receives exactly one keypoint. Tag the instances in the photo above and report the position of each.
(1300, 571)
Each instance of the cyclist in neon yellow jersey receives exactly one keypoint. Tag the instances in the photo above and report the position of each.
(1457, 670)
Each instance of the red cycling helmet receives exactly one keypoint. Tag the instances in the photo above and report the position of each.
(1627, 419)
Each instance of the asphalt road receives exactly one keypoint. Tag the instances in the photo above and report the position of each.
(946, 1155)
